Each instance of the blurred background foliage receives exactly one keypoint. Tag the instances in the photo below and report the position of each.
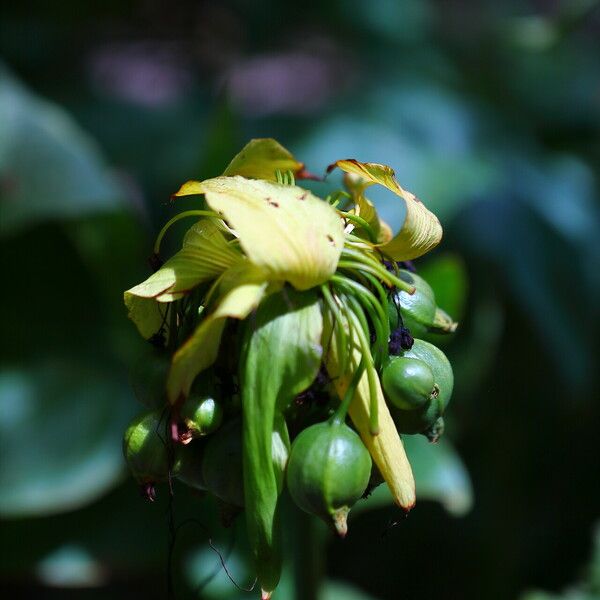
(488, 111)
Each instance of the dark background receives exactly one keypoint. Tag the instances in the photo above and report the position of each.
(488, 111)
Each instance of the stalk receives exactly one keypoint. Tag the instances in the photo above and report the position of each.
(340, 414)
(371, 305)
(183, 215)
(361, 223)
(342, 337)
(375, 268)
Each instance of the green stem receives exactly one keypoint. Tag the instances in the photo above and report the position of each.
(183, 215)
(340, 414)
(371, 372)
(383, 303)
(338, 323)
(371, 305)
(309, 547)
(361, 223)
(375, 268)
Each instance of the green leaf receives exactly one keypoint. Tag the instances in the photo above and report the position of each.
(147, 314)
(260, 158)
(293, 235)
(281, 356)
(49, 167)
(61, 431)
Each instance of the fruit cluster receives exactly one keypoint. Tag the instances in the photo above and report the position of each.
(287, 317)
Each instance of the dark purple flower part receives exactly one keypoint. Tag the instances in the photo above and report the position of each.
(407, 265)
(401, 264)
(389, 265)
(400, 340)
(316, 393)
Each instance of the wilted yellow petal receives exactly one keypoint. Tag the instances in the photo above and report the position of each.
(290, 233)
(260, 158)
(386, 448)
(421, 230)
(364, 207)
(241, 289)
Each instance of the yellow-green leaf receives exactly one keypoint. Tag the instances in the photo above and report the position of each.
(241, 289)
(205, 255)
(386, 448)
(290, 233)
(421, 230)
(146, 313)
(260, 158)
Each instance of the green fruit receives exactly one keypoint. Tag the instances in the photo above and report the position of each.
(440, 366)
(418, 420)
(188, 465)
(417, 310)
(202, 414)
(222, 464)
(328, 471)
(145, 448)
(407, 382)
(423, 419)
(149, 377)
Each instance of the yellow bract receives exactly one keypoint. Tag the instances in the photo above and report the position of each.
(421, 230)
(261, 158)
(290, 233)
(204, 256)
(240, 290)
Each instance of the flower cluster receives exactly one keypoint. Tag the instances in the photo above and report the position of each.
(288, 318)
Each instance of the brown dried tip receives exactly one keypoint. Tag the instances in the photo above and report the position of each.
(340, 521)
(304, 174)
